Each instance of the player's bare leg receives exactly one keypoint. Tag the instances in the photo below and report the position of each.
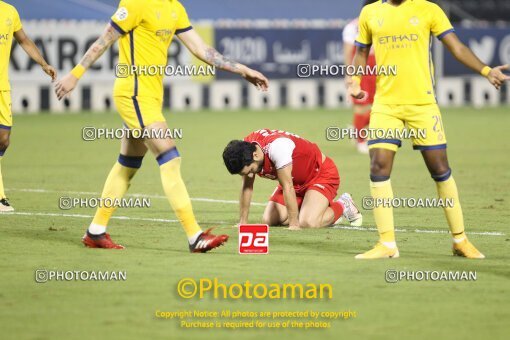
(158, 146)
(318, 212)
(315, 211)
(275, 214)
(437, 164)
(381, 164)
(5, 135)
(130, 159)
(169, 160)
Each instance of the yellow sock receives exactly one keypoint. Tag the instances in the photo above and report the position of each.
(447, 189)
(176, 192)
(115, 187)
(383, 215)
(387, 236)
(2, 193)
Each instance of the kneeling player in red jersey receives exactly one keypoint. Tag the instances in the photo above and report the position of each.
(309, 181)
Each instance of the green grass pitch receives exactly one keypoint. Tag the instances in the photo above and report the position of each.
(48, 159)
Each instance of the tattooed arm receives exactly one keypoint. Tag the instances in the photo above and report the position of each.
(212, 57)
(67, 84)
(209, 55)
(107, 39)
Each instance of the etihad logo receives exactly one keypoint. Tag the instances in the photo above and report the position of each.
(4, 39)
(404, 38)
(164, 34)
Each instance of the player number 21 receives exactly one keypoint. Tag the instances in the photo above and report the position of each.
(438, 126)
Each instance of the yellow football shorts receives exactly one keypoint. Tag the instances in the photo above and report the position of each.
(139, 112)
(423, 125)
(5, 110)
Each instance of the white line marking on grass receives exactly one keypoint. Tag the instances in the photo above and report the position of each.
(482, 233)
(90, 216)
(485, 233)
(197, 199)
(207, 200)
(124, 218)
(127, 218)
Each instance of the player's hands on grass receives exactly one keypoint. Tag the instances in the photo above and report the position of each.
(51, 71)
(256, 78)
(65, 86)
(496, 76)
(354, 90)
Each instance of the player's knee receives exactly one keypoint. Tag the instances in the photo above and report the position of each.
(307, 221)
(441, 175)
(379, 167)
(266, 220)
(269, 219)
(4, 142)
(439, 169)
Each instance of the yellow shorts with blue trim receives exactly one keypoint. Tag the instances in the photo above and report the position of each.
(423, 123)
(5, 110)
(139, 112)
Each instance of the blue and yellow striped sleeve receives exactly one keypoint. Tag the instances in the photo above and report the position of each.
(364, 38)
(128, 16)
(183, 23)
(440, 25)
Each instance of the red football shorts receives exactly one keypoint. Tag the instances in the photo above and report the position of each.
(327, 183)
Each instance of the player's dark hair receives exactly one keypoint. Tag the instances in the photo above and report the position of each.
(368, 2)
(237, 155)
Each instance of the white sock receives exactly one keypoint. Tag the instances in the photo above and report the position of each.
(194, 238)
(455, 240)
(96, 229)
(391, 245)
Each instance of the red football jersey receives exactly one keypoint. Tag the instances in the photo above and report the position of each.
(306, 156)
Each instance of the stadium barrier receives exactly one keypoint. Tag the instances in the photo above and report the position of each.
(276, 48)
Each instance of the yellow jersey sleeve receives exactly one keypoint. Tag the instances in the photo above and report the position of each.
(128, 16)
(364, 38)
(16, 23)
(183, 23)
(440, 25)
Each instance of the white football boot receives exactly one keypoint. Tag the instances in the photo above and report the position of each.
(5, 206)
(351, 212)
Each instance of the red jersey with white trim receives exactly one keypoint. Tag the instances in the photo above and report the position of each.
(306, 156)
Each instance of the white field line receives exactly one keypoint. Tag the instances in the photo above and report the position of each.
(197, 199)
(88, 216)
(124, 218)
(483, 233)
(162, 220)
